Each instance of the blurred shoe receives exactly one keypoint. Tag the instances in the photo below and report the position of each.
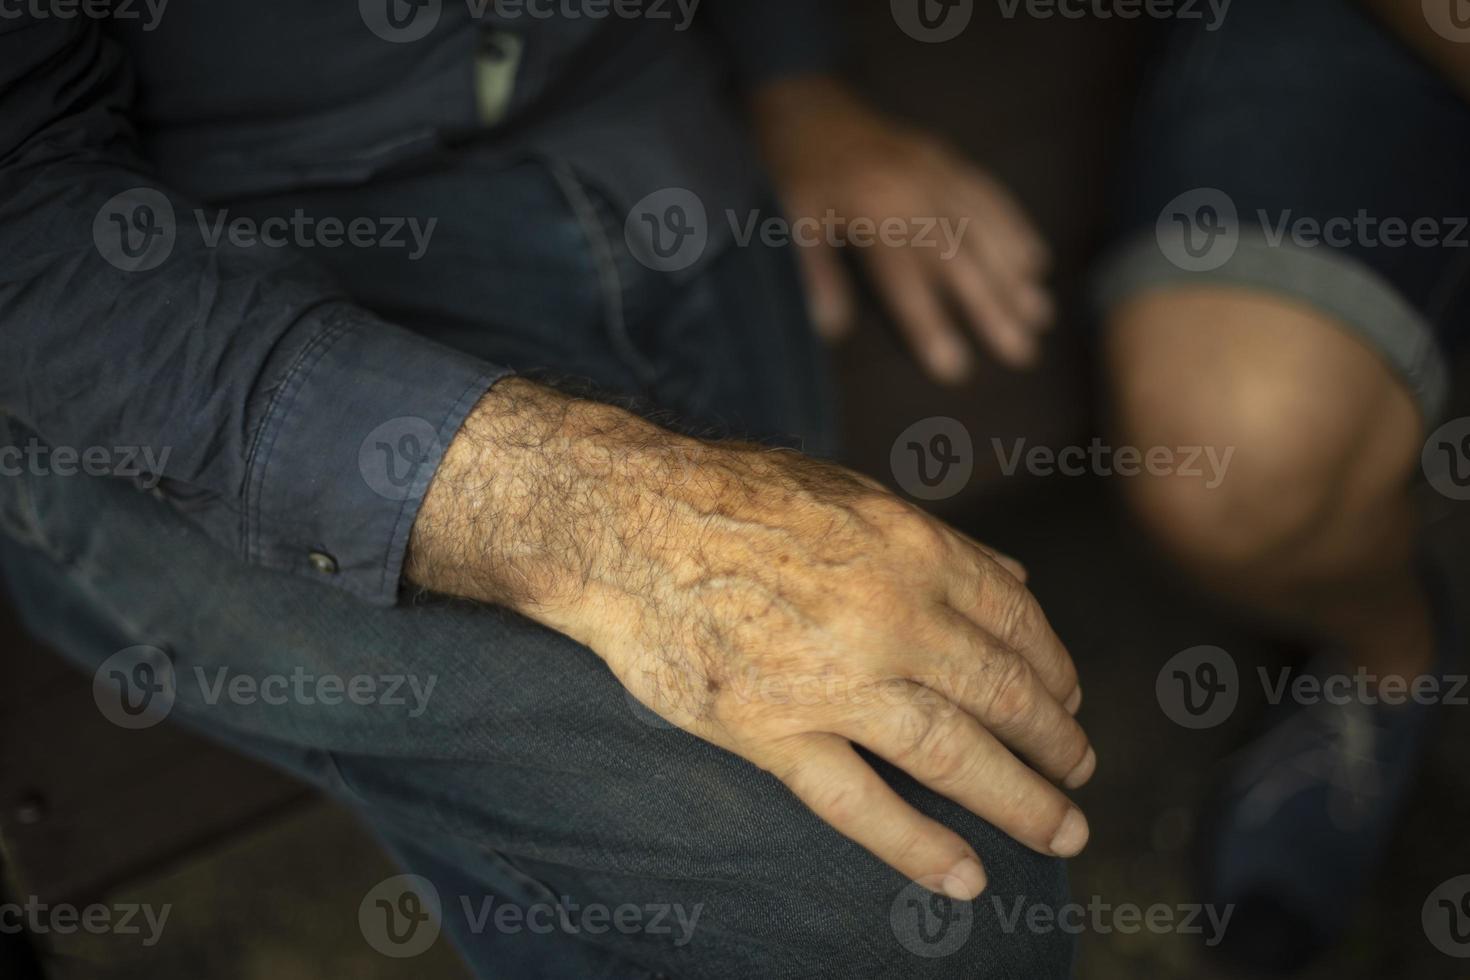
(1301, 823)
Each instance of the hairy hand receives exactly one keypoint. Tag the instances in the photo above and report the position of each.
(835, 159)
(782, 608)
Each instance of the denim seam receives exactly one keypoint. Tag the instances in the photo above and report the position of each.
(260, 456)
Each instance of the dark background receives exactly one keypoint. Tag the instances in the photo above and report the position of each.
(265, 879)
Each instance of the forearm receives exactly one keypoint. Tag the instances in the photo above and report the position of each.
(580, 515)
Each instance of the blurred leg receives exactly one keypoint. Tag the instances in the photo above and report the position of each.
(1312, 522)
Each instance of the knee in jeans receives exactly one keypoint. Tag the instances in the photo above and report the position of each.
(899, 929)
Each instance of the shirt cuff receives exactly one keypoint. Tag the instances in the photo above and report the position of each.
(347, 447)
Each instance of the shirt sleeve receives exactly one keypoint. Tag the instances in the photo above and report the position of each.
(771, 39)
(295, 428)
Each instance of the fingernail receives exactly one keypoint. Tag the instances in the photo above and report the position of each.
(1022, 352)
(965, 880)
(1083, 772)
(1074, 702)
(1045, 311)
(1035, 305)
(949, 360)
(1071, 836)
(829, 317)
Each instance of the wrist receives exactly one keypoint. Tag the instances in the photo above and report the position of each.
(546, 504)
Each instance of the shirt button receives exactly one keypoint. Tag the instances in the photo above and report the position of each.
(323, 562)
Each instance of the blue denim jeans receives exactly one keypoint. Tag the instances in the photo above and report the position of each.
(525, 775)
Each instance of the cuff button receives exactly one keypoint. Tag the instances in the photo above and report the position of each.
(323, 562)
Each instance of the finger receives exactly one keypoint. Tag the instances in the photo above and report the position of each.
(913, 300)
(947, 750)
(1005, 693)
(1009, 563)
(1020, 288)
(1000, 239)
(829, 294)
(991, 199)
(991, 317)
(1012, 565)
(989, 597)
(834, 782)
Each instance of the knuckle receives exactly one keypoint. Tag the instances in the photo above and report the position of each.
(1016, 614)
(837, 800)
(918, 533)
(909, 844)
(932, 748)
(883, 509)
(915, 729)
(1011, 695)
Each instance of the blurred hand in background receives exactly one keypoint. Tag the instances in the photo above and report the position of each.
(967, 258)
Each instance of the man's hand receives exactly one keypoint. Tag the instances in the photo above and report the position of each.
(779, 607)
(834, 159)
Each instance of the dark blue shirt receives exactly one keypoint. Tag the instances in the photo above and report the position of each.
(121, 326)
